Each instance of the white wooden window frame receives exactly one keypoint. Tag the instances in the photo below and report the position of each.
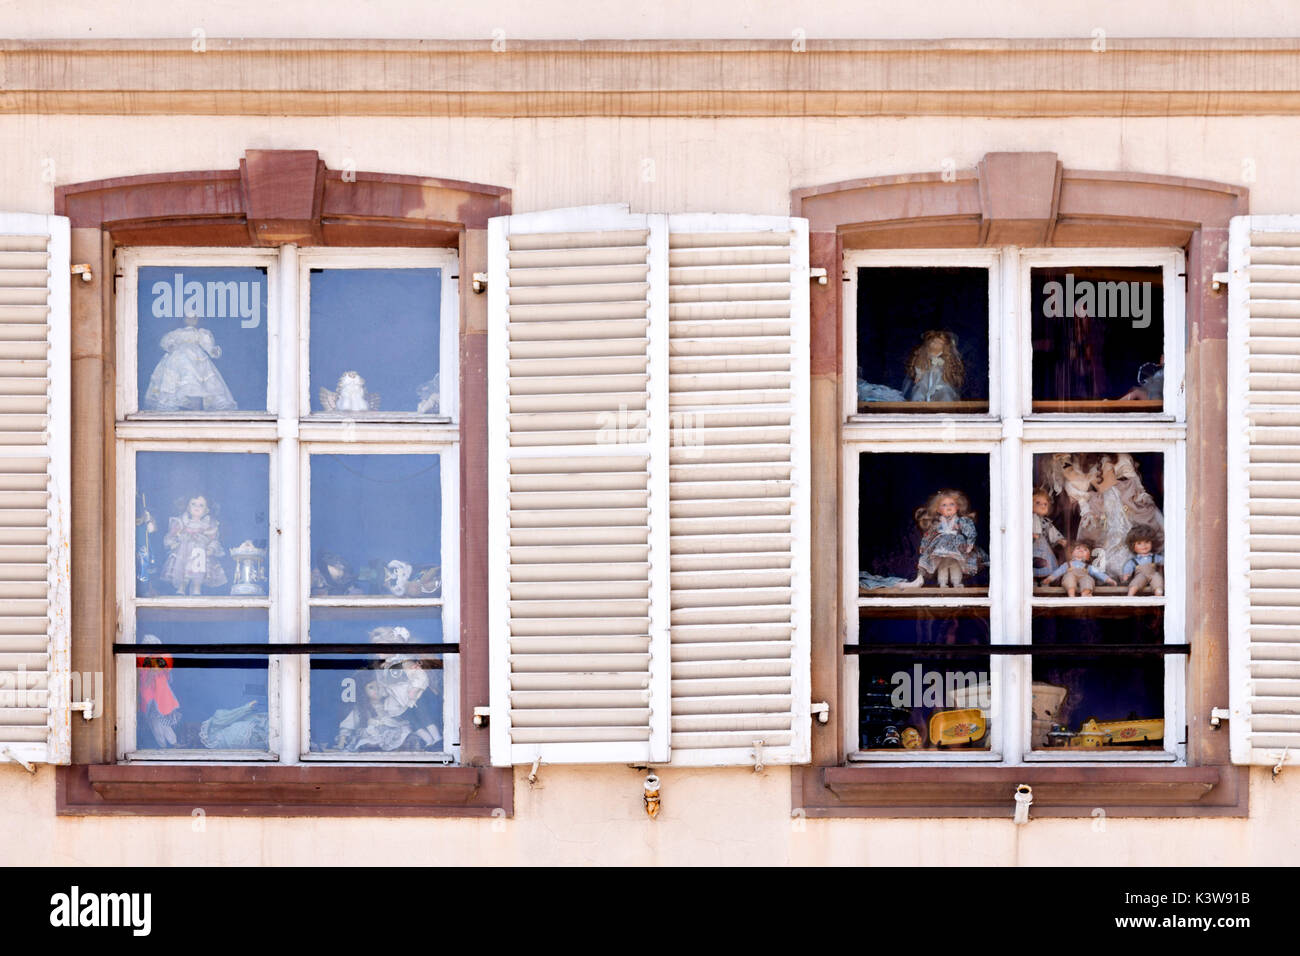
(1011, 434)
(289, 434)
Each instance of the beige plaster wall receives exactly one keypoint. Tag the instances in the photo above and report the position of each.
(584, 816)
(581, 816)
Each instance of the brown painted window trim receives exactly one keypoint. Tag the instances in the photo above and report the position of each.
(275, 197)
(1032, 200)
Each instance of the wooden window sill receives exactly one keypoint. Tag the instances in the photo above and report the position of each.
(976, 791)
(281, 791)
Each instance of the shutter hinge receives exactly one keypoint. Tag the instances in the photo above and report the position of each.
(9, 754)
(1218, 715)
(83, 269)
(481, 716)
(822, 711)
(817, 274)
(479, 282)
(1218, 281)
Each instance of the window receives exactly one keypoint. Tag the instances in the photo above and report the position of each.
(1013, 461)
(289, 504)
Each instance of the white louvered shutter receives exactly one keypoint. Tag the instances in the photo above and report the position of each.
(578, 530)
(1264, 488)
(34, 472)
(738, 491)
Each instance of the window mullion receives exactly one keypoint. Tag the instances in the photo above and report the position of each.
(286, 593)
(1010, 612)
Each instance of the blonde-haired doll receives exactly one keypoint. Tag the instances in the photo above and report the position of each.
(935, 372)
(948, 550)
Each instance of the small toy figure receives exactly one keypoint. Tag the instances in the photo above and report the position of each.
(402, 580)
(185, 379)
(935, 372)
(1076, 574)
(948, 548)
(145, 563)
(1045, 535)
(351, 396)
(159, 708)
(1143, 569)
(192, 541)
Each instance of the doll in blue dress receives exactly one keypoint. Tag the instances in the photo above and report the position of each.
(948, 550)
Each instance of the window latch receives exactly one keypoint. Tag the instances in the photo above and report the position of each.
(10, 755)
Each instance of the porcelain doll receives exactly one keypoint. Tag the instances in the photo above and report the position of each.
(948, 550)
(159, 708)
(1144, 568)
(350, 396)
(935, 372)
(185, 378)
(408, 696)
(192, 539)
(367, 727)
(1076, 574)
(1151, 383)
(1111, 499)
(1045, 535)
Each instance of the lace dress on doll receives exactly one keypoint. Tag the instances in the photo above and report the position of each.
(951, 538)
(185, 379)
(928, 385)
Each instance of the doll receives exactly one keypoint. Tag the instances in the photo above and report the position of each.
(948, 548)
(192, 541)
(1143, 569)
(1076, 574)
(238, 728)
(407, 696)
(350, 396)
(1151, 383)
(935, 372)
(159, 708)
(1045, 535)
(185, 378)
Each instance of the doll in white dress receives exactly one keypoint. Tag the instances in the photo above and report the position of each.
(935, 372)
(185, 379)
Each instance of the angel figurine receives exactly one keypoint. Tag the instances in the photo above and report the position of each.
(185, 378)
(350, 396)
(192, 539)
(935, 372)
(948, 548)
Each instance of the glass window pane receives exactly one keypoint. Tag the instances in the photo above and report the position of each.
(375, 340)
(1104, 700)
(1098, 523)
(382, 703)
(1098, 339)
(922, 701)
(201, 338)
(193, 702)
(923, 339)
(376, 525)
(201, 523)
(923, 524)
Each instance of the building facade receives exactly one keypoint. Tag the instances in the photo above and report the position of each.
(696, 420)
